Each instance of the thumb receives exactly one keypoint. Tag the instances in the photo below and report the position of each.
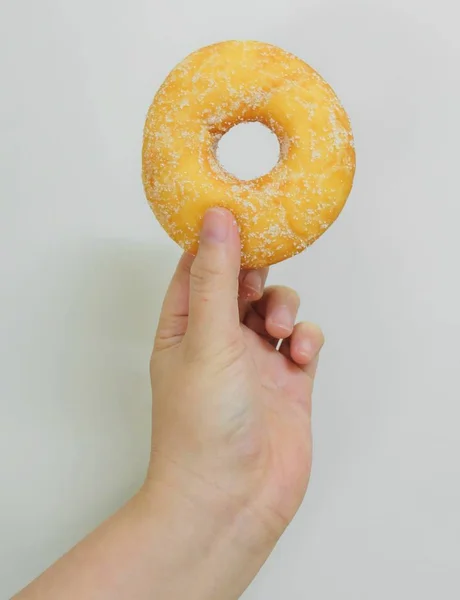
(172, 324)
(213, 300)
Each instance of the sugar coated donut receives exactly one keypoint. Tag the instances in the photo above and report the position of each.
(216, 88)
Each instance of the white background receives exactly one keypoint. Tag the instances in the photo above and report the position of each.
(84, 266)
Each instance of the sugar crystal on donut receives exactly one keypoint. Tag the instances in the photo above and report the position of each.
(278, 214)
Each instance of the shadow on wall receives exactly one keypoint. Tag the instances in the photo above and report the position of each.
(113, 294)
(388, 78)
(83, 318)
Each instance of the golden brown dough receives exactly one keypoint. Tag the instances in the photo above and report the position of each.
(218, 87)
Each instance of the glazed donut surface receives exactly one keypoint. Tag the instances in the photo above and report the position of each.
(211, 91)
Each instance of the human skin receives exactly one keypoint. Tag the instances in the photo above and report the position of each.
(231, 440)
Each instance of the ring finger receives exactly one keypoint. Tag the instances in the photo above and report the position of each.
(274, 315)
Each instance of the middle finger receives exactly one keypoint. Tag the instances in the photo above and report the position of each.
(278, 306)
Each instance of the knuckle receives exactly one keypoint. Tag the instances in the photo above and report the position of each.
(322, 339)
(292, 294)
(170, 332)
(203, 276)
(317, 331)
(296, 295)
(312, 331)
(284, 293)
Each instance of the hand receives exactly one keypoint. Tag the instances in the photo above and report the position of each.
(231, 414)
(231, 451)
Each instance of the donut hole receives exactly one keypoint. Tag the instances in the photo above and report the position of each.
(248, 151)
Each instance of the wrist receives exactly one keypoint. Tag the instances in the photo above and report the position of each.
(226, 499)
(214, 540)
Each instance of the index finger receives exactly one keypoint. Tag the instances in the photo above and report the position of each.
(251, 289)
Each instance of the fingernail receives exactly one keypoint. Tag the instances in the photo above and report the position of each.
(253, 283)
(282, 317)
(306, 349)
(216, 225)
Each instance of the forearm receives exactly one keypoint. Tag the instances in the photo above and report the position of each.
(232, 442)
(156, 547)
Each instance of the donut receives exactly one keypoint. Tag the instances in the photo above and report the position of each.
(217, 87)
